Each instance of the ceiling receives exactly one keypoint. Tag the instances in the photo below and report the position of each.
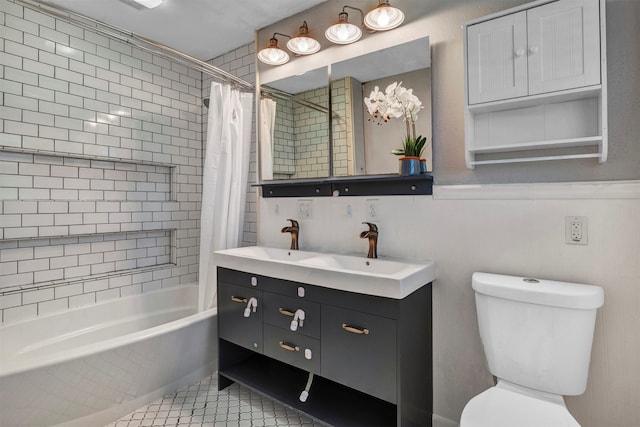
(202, 28)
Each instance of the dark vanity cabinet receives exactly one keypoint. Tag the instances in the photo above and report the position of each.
(371, 356)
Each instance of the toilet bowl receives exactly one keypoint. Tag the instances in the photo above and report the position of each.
(537, 337)
(504, 406)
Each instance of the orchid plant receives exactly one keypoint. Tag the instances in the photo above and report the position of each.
(397, 101)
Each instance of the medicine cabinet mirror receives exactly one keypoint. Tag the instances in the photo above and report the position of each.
(299, 118)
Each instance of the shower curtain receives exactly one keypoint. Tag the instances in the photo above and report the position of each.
(224, 180)
(267, 125)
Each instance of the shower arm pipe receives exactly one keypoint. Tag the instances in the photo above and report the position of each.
(288, 97)
(136, 40)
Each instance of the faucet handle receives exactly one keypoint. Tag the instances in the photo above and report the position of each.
(294, 223)
(372, 226)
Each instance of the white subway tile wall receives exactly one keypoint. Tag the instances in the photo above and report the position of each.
(301, 146)
(46, 262)
(343, 126)
(100, 165)
(312, 135)
(284, 160)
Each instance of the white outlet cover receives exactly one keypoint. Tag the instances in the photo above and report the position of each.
(372, 208)
(305, 209)
(568, 222)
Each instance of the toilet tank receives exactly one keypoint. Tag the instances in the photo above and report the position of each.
(537, 333)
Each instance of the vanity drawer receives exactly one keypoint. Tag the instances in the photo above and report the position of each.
(359, 351)
(233, 326)
(292, 348)
(239, 278)
(279, 310)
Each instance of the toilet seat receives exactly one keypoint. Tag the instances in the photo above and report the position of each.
(499, 407)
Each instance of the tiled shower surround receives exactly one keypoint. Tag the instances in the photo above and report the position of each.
(100, 166)
(301, 143)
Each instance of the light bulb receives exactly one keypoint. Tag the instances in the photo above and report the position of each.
(383, 18)
(274, 55)
(303, 45)
(342, 33)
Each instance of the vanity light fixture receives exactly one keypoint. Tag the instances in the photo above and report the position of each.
(303, 44)
(272, 54)
(384, 17)
(344, 32)
(150, 4)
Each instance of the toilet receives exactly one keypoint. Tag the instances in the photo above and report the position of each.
(537, 337)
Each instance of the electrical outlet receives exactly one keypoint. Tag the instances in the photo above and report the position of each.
(371, 207)
(348, 211)
(304, 209)
(575, 228)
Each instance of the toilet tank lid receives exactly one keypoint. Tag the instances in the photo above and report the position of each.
(538, 291)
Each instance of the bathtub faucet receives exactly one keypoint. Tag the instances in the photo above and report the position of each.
(294, 229)
(372, 235)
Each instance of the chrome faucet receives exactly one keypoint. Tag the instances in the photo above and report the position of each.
(372, 235)
(294, 229)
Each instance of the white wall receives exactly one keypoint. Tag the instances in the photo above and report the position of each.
(521, 235)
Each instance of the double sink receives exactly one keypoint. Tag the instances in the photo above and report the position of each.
(389, 278)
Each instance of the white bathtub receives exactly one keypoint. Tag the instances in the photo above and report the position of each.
(91, 365)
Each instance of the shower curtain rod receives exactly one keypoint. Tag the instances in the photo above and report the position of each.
(275, 93)
(138, 41)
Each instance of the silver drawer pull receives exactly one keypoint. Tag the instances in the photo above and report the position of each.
(355, 330)
(240, 300)
(289, 347)
(285, 312)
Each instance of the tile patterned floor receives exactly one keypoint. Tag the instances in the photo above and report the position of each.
(202, 405)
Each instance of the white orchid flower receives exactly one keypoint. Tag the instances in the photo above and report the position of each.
(396, 101)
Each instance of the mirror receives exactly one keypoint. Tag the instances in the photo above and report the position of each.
(361, 145)
(298, 141)
(294, 127)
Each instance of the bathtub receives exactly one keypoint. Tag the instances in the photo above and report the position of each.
(89, 366)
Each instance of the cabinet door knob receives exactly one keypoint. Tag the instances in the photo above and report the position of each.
(240, 300)
(355, 330)
(289, 347)
(519, 52)
(533, 49)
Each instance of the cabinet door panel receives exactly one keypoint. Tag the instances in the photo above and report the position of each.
(496, 58)
(364, 361)
(564, 45)
(233, 326)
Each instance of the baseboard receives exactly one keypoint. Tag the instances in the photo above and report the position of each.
(439, 421)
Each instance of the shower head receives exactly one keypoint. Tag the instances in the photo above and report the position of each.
(205, 101)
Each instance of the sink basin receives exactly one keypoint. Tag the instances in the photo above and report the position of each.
(362, 265)
(266, 253)
(389, 278)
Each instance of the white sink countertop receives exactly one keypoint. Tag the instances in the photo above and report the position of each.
(384, 277)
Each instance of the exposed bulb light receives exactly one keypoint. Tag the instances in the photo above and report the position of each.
(384, 17)
(302, 44)
(343, 32)
(272, 54)
(149, 3)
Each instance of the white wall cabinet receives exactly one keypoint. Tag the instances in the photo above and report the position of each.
(536, 80)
